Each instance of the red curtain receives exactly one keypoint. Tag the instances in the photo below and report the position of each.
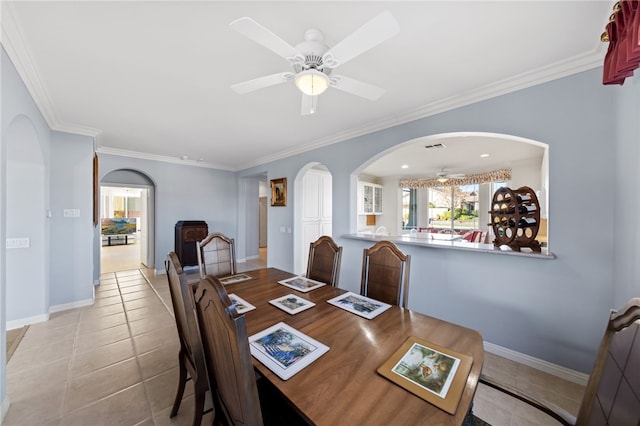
(623, 34)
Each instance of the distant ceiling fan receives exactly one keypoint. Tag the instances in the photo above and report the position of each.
(443, 177)
(313, 62)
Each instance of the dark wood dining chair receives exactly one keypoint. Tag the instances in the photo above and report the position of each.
(324, 261)
(226, 349)
(217, 255)
(385, 274)
(612, 395)
(190, 355)
(241, 396)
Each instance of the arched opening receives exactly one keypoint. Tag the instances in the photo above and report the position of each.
(447, 181)
(312, 210)
(26, 225)
(127, 221)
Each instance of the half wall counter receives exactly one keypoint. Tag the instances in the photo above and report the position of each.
(450, 242)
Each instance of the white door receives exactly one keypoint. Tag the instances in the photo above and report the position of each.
(144, 226)
(316, 211)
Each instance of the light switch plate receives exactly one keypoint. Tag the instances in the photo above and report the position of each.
(13, 243)
(71, 212)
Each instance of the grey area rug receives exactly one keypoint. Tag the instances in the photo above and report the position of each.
(13, 340)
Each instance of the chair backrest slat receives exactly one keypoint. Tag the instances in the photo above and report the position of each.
(217, 256)
(324, 261)
(182, 302)
(612, 395)
(226, 347)
(385, 274)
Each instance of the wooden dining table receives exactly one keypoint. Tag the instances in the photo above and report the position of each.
(342, 387)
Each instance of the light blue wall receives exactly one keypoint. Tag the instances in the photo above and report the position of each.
(627, 192)
(532, 306)
(182, 193)
(71, 238)
(20, 117)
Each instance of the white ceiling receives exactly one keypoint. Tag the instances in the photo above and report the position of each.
(151, 79)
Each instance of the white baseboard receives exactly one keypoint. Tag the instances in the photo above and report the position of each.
(539, 364)
(5, 407)
(19, 323)
(72, 305)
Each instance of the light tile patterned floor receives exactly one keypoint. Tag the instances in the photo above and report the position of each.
(115, 363)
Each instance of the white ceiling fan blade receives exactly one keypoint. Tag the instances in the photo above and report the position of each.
(356, 87)
(309, 104)
(262, 82)
(374, 32)
(261, 35)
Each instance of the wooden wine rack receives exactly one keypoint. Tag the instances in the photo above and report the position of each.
(510, 211)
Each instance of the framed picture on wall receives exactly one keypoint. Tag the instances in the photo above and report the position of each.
(279, 192)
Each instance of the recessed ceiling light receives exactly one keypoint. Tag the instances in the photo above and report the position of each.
(184, 157)
(484, 155)
(405, 166)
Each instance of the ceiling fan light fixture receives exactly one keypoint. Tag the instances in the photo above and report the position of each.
(312, 82)
(442, 179)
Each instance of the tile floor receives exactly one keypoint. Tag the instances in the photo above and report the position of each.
(115, 363)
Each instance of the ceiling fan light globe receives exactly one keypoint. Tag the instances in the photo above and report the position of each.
(312, 82)
(442, 179)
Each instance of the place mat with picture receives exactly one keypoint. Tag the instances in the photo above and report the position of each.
(285, 350)
(233, 279)
(301, 283)
(434, 373)
(359, 305)
(241, 305)
(292, 304)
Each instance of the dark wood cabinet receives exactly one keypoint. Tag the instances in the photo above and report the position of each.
(188, 233)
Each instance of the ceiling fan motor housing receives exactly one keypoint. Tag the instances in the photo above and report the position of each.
(312, 49)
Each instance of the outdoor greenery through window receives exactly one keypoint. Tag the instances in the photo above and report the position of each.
(447, 208)
(453, 207)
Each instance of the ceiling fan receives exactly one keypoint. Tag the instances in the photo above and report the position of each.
(313, 62)
(443, 177)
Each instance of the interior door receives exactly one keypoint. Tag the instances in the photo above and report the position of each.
(262, 231)
(144, 226)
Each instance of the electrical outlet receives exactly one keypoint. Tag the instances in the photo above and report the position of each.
(13, 243)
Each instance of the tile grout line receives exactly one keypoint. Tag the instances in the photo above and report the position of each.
(135, 352)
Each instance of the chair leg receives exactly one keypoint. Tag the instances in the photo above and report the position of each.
(199, 408)
(182, 381)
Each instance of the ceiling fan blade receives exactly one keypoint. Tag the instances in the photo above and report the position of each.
(261, 35)
(356, 87)
(309, 104)
(262, 82)
(374, 32)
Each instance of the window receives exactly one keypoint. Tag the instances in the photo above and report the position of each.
(409, 208)
(454, 207)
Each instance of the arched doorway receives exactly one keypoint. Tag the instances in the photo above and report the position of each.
(127, 201)
(26, 225)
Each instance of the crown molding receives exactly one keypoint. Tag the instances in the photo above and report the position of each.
(162, 158)
(567, 67)
(15, 47)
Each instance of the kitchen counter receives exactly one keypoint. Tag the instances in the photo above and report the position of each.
(451, 242)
